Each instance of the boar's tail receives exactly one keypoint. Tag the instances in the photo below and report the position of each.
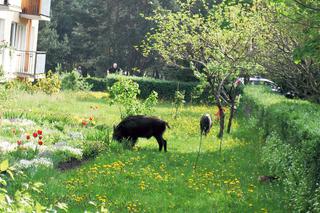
(167, 124)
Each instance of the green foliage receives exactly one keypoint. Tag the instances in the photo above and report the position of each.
(289, 51)
(95, 34)
(56, 46)
(223, 185)
(1, 71)
(49, 85)
(125, 93)
(4, 94)
(165, 89)
(303, 17)
(19, 85)
(292, 147)
(74, 81)
(216, 41)
(178, 102)
(21, 201)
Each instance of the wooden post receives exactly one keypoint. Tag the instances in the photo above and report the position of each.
(28, 37)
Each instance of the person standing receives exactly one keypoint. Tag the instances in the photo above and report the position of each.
(114, 69)
(80, 71)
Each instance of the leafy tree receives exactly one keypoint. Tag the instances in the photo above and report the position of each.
(99, 33)
(218, 41)
(290, 50)
(304, 16)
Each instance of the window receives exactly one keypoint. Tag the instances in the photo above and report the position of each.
(1, 30)
(18, 36)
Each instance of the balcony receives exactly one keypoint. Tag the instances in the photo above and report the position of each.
(36, 9)
(29, 64)
(14, 5)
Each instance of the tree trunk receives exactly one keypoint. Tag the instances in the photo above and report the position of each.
(231, 115)
(221, 116)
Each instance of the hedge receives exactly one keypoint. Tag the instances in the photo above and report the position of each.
(165, 89)
(292, 146)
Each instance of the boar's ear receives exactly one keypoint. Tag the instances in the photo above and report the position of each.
(114, 127)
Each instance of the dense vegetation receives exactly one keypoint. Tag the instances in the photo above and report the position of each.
(292, 133)
(282, 38)
(165, 89)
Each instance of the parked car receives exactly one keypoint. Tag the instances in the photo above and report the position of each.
(273, 86)
(261, 81)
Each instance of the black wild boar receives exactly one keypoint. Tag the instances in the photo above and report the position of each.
(205, 124)
(139, 126)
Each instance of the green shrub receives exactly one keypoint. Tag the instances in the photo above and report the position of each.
(125, 94)
(74, 81)
(21, 201)
(20, 85)
(292, 149)
(49, 85)
(165, 89)
(178, 102)
(1, 71)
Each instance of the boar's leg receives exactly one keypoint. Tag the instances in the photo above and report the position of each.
(132, 141)
(165, 144)
(160, 142)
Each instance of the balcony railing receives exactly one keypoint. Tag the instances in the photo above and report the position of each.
(28, 63)
(36, 7)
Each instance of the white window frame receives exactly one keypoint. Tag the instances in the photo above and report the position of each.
(18, 36)
(2, 23)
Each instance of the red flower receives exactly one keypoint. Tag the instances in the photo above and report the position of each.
(40, 142)
(84, 123)
(28, 137)
(19, 143)
(35, 135)
(40, 137)
(91, 118)
(39, 132)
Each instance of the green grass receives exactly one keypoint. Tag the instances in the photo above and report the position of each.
(144, 180)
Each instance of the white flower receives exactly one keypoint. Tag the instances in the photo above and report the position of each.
(6, 147)
(18, 122)
(76, 135)
(30, 145)
(71, 150)
(25, 164)
(60, 147)
(60, 144)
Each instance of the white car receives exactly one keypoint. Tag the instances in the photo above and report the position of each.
(261, 81)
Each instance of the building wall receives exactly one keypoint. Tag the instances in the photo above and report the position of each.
(9, 60)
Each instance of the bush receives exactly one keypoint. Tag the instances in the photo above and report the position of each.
(22, 201)
(178, 102)
(74, 81)
(1, 71)
(49, 85)
(292, 149)
(20, 85)
(165, 89)
(125, 93)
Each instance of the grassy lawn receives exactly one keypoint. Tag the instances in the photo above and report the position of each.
(144, 180)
